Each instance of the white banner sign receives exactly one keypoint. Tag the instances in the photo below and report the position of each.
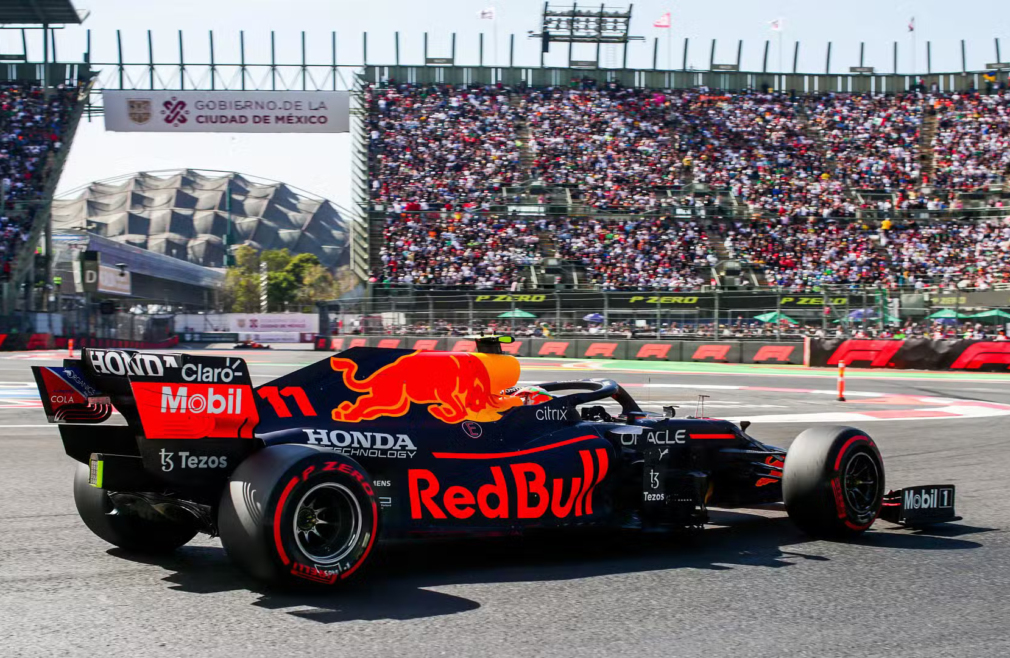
(227, 111)
(112, 281)
(248, 322)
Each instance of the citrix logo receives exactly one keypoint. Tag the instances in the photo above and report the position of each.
(180, 401)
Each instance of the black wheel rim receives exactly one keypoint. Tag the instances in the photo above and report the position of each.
(861, 484)
(327, 523)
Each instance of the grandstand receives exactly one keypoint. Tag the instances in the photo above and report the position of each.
(594, 184)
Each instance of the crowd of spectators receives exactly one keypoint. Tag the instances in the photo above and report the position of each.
(738, 328)
(457, 248)
(615, 147)
(871, 142)
(636, 254)
(801, 166)
(31, 131)
(972, 143)
(440, 146)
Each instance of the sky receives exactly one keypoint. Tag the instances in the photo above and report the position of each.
(321, 164)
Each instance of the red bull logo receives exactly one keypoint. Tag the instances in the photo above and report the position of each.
(535, 497)
(456, 387)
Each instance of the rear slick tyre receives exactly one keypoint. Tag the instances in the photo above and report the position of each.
(299, 515)
(127, 531)
(833, 482)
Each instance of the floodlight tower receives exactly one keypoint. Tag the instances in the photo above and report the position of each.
(585, 24)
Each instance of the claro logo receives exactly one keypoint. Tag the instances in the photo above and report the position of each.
(178, 400)
(194, 372)
(535, 497)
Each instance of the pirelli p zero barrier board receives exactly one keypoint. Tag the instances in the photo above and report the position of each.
(592, 348)
(913, 353)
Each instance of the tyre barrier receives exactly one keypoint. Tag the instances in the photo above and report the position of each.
(786, 352)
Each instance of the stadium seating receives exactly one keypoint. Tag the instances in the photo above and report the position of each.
(31, 129)
(812, 175)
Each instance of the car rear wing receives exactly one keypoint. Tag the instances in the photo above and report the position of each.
(162, 396)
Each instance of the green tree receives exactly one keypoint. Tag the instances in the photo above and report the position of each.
(241, 282)
(317, 285)
(276, 259)
(281, 288)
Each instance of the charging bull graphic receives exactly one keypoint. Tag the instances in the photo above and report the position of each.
(457, 386)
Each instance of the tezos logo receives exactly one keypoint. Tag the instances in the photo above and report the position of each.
(188, 461)
(472, 429)
(179, 401)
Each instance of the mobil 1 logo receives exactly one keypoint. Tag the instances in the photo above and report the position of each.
(930, 502)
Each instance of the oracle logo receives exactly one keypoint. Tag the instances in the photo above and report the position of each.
(534, 499)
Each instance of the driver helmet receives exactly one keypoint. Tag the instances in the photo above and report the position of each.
(532, 395)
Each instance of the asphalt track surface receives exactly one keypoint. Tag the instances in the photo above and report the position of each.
(749, 585)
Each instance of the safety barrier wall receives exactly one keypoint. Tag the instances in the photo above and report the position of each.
(17, 342)
(61, 342)
(589, 348)
(913, 353)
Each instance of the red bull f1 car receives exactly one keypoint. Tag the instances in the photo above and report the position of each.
(301, 476)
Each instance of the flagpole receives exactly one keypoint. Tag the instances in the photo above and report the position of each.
(780, 51)
(669, 47)
(494, 31)
(913, 50)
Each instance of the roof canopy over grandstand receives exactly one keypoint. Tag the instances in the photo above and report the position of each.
(195, 215)
(31, 12)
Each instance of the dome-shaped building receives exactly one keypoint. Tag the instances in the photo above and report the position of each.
(194, 215)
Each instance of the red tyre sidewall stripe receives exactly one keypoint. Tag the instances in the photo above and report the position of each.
(845, 448)
(278, 512)
(371, 541)
(843, 513)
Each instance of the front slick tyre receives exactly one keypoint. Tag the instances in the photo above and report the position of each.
(833, 484)
(299, 515)
(128, 531)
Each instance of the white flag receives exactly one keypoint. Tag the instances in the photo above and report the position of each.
(486, 14)
(664, 21)
(776, 25)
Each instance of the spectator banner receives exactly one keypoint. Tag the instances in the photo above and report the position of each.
(228, 111)
(711, 352)
(783, 352)
(601, 349)
(659, 350)
(545, 304)
(917, 353)
(553, 347)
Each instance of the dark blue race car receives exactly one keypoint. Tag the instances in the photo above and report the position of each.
(302, 476)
